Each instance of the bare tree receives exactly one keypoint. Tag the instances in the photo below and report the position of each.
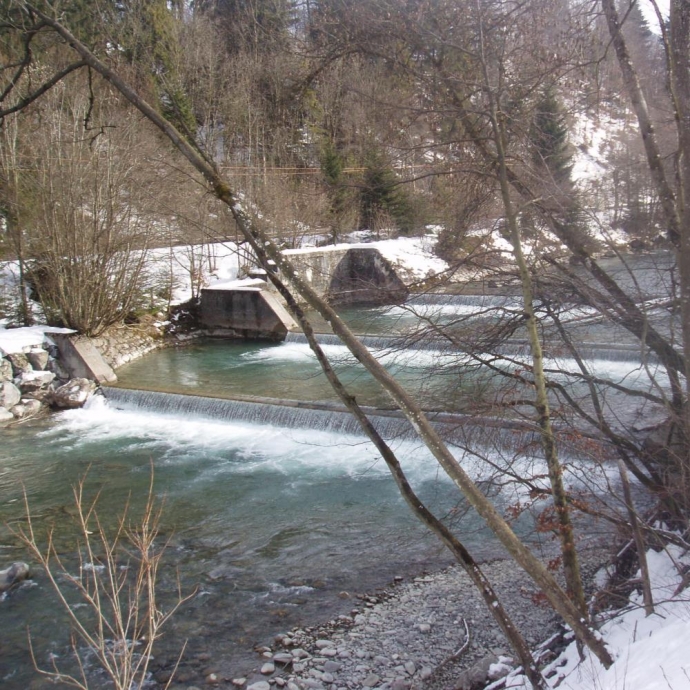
(409, 407)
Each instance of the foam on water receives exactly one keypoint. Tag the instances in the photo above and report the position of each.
(256, 448)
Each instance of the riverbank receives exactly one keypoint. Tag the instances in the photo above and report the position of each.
(432, 633)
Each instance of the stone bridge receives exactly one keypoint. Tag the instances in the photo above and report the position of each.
(342, 275)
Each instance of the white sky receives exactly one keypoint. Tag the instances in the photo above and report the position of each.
(650, 15)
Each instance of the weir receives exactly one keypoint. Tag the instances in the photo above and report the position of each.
(515, 348)
(477, 434)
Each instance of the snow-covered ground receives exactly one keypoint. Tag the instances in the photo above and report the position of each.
(650, 652)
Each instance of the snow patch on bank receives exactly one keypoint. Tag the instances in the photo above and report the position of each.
(650, 652)
(13, 340)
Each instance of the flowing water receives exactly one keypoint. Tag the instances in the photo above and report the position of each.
(274, 515)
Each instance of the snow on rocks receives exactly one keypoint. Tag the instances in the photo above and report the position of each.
(30, 375)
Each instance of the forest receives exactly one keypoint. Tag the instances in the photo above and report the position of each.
(539, 142)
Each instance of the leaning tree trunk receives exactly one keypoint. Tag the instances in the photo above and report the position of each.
(571, 567)
(426, 431)
(459, 551)
(674, 205)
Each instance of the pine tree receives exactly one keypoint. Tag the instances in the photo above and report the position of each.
(549, 138)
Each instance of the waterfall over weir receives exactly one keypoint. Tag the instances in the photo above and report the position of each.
(517, 348)
(478, 434)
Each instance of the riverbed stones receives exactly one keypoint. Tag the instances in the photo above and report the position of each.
(13, 575)
(385, 640)
(5, 416)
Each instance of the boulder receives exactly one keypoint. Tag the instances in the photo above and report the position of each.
(26, 408)
(13, 575)
(73, 394)
(9, 395)
(5, 416)
(20, 363)
(6, 373)
(30, 381)
(38, 358)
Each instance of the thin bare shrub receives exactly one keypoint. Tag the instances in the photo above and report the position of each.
(118, 618)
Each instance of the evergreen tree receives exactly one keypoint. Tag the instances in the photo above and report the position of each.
(549, 138)
(332, 165)
(381, 196)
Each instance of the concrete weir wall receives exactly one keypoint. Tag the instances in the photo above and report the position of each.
(350, 275)
(244, 313)
(82, 359)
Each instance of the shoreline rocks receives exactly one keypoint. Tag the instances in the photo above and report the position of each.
(33, 380)
(432, 633)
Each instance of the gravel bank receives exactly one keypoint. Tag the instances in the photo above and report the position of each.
(408, 637)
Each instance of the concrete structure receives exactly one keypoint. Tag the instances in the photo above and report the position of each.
(81, 359)
(348, 275)
(244, 312)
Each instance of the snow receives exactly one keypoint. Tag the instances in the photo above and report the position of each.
(251, 284)
(650, 652)
(413, 255)
(13, 340)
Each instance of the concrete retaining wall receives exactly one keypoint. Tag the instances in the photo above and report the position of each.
(244, 313)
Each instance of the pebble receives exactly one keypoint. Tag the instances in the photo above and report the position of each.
(268, 668)
(380, 645)
(261, 685)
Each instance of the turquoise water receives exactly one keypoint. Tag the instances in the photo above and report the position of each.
(266, 526)
(269, 524)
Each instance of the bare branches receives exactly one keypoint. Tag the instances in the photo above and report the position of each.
(44, 88)
(117, 581)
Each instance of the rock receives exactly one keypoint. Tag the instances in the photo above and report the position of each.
(424, 628)
(6, 370)
(283, 658)
(73, 394)
(371, 681)
(10, 395)
(57, 369)
(332, 666)
(322, 644)
(410, 667)
(426, 672)
(16, 573)
(239, 682)
(268, 668)
(5, 416)
(20, 363)
(261, 685)
(30, 381)
(38, 358)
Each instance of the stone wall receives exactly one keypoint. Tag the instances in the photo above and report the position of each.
(123, 343)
